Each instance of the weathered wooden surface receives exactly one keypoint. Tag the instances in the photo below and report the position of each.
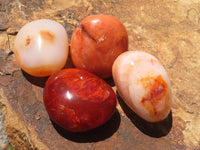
(168, 29)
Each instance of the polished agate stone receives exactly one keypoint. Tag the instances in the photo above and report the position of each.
(77, 100)
(143, 84)
(41, 47)
(96, 43)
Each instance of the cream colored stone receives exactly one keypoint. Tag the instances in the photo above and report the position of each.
(143, 84)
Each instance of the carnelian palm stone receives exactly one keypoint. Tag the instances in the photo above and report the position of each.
(78, 100)
(96, 43)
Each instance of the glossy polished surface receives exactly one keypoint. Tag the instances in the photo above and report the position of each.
(143, 84)
(41, 47)
(96, 43)
(78, 100)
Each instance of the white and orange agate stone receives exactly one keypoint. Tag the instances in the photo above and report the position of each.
(41, 47)
(143, 84)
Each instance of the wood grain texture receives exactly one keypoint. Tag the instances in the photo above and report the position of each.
(169, 30)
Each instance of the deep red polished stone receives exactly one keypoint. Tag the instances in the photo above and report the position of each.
(78, 100)
(96, 43)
